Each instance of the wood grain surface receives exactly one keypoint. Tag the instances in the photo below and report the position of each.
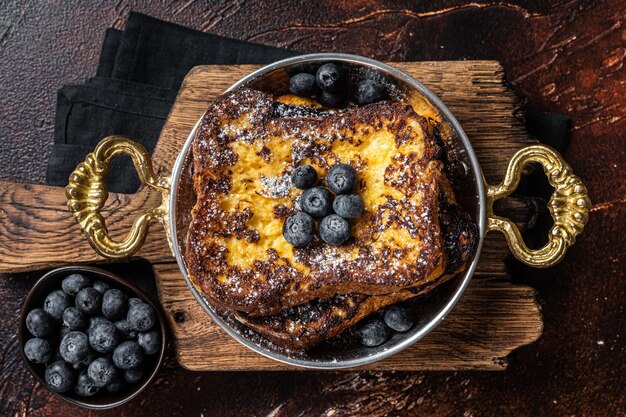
(565, 57)
(35, 222)
(493, 318)
(38, 231)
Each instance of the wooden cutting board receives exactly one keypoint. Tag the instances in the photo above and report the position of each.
(493, 318)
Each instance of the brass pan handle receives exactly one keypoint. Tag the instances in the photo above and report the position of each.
(86, 194)
(569, 206)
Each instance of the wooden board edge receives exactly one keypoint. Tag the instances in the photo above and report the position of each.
(185, 354)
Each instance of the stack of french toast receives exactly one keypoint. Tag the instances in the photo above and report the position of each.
(411, 237)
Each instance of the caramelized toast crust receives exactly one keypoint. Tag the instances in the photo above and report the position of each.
(244, 152)
(306, 325)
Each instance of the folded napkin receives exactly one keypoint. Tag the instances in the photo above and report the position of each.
(550, 128)
(111, 44)
(102, 107)
(158, 53)
(138, 75)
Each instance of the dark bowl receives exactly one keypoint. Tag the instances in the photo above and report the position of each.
(52, 281)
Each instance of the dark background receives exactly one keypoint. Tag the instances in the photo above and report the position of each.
(566, 57)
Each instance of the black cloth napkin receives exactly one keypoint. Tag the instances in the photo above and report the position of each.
(158, 53)
(550, 128)
(138, 75)
(102, 107)
(111, 44)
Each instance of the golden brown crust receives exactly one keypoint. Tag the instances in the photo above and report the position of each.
(304, 326)
(366, 264)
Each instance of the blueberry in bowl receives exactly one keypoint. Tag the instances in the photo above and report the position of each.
(90, 337)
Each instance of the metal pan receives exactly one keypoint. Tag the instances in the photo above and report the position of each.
(569, 207)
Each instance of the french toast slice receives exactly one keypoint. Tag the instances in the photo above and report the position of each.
(306, 325)
(244, 152)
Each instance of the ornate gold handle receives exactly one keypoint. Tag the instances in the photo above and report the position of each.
(569, 206)
(86, 194)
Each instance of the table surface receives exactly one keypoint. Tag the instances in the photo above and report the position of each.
(566, 58)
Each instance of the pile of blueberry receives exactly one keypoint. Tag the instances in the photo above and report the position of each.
(318, 203)
(328, 83)
(91, 337)
(377, 330)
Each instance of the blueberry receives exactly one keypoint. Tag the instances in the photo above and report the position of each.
(399, 318)
(334, 230)
(304, 177)
(141, 317)
(303, 85)
(96, 320)
(373, 332)
(316, 201)
(128, 355)
(341, 178)
(55, 304)
(39, 323)
(123, 327)
(83, 364)
(133, 376)
(332, 99)
(348, 206)
(116, 386)
(74, 283)
(85, 387)
(103, 336)
(330, 77)
(59, 376)
(38, 350)
(102, 372)
(101, 286)
(74, 347)
(298, 229)
(114, 304)
(89, 301)
(134, 301)
(368, 91)
(75, 319)
(150, 342)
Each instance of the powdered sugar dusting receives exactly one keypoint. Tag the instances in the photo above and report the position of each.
(373, 258)
(276, 187)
